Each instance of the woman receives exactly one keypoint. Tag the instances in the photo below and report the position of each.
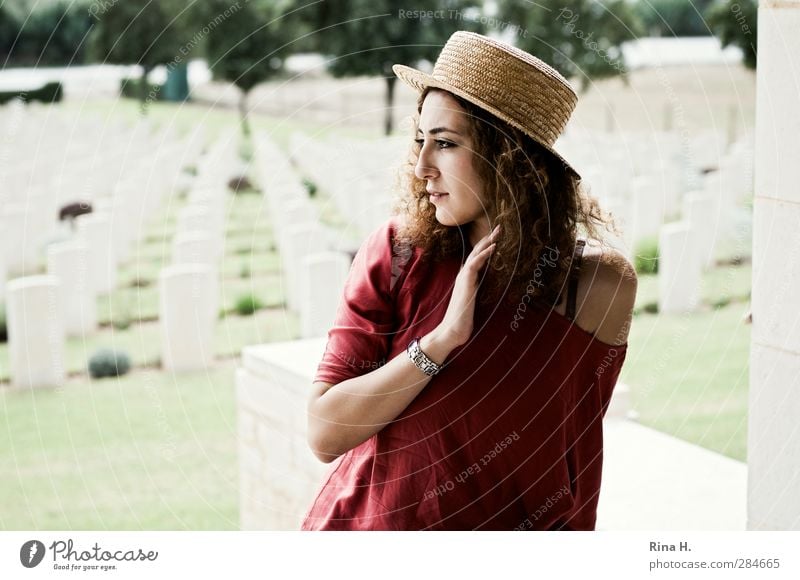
(479, 338)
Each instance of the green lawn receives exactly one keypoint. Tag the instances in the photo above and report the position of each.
(689, 376)
(149, 451)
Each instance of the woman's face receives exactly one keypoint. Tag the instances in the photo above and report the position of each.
(446, 162)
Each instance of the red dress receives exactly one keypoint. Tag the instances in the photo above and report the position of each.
(507, 436)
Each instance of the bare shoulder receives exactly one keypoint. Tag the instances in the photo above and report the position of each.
(606, 293)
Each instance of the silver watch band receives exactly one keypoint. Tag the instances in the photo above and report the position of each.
(420, 359)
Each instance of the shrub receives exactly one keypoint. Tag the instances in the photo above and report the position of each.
(3, 327)
(646, 260)
(310, 186)
(721, 302)
(48, 93)
(650, 308)
(108, 363)
(247, 304)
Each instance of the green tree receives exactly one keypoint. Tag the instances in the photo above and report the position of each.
(736, 22)
(9, 27)
(52, 34)
(579, 38)
(248, 43)
(674, 17)
(364, 37)
(143, 32)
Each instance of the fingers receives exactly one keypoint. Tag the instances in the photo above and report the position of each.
(477, 262)
(486, 240)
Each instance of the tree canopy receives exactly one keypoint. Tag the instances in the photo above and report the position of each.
(366, 37)
(735, 22)
(579, 38)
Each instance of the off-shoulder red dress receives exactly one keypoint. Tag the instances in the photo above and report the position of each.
(507, 436)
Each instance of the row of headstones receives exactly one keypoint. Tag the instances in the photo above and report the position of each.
(42, 311)
(357, 175)
(189, 287)
(314, 260)
(31, 221)
(56, 154)
(711, 218)
(646, 183)
(645, 180)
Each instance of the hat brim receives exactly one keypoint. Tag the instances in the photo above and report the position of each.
(419, 81)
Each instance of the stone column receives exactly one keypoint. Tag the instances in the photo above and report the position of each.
(773, 446)
(35, 332)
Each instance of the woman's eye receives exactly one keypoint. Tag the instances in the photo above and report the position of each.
(441, 144)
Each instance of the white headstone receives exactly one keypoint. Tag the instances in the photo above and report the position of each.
(94, 230)
(3, 274)
(194, 248)
(35, 332)
(647, 195)
(679, 269)
(698, 212)
(69, 262)
(187, 316)
(322, 280)
(297, 242)
(19, 239)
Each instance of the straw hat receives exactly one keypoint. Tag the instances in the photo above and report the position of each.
(508, 82)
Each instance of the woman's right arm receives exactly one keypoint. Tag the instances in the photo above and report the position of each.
(342, 416)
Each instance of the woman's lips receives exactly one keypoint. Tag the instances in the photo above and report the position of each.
(435, 195)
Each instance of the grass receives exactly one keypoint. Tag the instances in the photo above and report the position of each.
(689, 376)
(724, 282)
(147, 451)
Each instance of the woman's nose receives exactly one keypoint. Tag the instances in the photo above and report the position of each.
(424, 168)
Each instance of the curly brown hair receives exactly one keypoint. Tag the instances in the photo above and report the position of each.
(538, 201)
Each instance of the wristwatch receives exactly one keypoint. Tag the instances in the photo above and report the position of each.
(420, 359)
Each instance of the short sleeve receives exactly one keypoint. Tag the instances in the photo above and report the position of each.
(360, 338)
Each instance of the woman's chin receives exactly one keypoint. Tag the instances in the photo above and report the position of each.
(446, 219)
